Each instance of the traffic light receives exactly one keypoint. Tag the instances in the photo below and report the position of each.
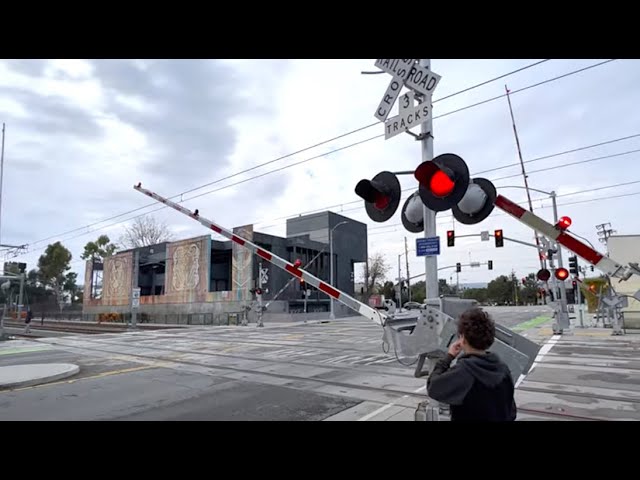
(592, 268)
(543, 275)
(451, 238)
(573, 265)
(458, 267)
(562, 273)
(497, 235)
(563, 223)
(574, 284)
(381, 196)
(490, 264)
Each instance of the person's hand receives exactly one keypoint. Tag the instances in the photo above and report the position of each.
(455, 348)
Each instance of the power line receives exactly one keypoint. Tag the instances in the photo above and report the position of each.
(328, 207)
(314, 146)
(559, 154)
(283, 157)
(448, 216)
(541, 207)
(451, 216)
(287, 166)
(564, 165)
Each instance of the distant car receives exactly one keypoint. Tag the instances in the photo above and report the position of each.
(412, 305)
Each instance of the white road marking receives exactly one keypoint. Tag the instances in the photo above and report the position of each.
(543, 351)
(387, 406)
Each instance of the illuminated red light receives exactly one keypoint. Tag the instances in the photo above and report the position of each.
(562, 273)
(564, 223)
(441, 185)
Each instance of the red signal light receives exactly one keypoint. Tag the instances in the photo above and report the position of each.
(297, 263)
(562, 273)
(441, 185)
(563, 223)
(543, 275)
(382, 201)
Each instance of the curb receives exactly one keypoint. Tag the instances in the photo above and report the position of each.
(64, 370)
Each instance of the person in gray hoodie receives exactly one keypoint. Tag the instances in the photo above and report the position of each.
(479, 387)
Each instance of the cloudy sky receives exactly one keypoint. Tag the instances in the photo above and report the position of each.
(80, 133)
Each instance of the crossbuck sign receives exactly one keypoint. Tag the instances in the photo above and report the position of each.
(418, 79)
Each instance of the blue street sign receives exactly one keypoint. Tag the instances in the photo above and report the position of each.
(428, 247)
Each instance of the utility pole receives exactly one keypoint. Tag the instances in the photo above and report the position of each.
(1, 179)
(21, 296)
(524, 173)
(429, 216)
(604, 233)
(399, 284)
(406, 256)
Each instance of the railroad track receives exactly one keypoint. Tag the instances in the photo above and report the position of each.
(89, 329)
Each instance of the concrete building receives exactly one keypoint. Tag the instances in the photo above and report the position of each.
(204, 281)
(625, 249)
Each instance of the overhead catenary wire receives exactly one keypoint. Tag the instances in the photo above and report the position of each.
(554, 167)
(313, 158)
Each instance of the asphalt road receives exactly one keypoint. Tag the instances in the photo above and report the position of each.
(281, 372)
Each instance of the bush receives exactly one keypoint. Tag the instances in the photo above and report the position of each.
(109, 317)
(590, 297)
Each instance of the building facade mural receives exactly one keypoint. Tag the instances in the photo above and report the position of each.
(242, 265)
(117, 284)
(187, 269)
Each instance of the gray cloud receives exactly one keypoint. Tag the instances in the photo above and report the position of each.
(30, 67)
(192, 103)
(51, 115)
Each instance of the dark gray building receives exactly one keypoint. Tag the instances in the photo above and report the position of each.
(307, 240)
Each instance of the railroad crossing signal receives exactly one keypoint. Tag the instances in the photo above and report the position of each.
(381, 196)
(543, 275)
(497, 235)
(573, 265)
(562, 274)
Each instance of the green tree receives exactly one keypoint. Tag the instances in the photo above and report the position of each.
(479, 294)
(418, 292)
(445, 288)
(500, 290)
(53, 266)
(98, 250)
(529, 291)
(388, 290)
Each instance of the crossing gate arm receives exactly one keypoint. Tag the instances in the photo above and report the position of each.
(359, 307)
(602, 262)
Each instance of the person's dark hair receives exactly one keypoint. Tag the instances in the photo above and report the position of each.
(478, 328)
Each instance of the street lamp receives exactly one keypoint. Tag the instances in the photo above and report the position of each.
(332, 315)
